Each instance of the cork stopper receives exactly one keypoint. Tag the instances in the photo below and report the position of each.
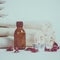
(19, 24)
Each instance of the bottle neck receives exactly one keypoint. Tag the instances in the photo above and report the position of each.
(19, 27)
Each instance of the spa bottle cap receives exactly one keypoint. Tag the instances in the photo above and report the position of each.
(19, 24)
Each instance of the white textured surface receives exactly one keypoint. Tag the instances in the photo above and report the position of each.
(27, 55)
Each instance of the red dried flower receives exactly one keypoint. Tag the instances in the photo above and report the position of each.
(10, 48)
(32, 50)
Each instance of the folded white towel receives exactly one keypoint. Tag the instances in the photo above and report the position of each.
(27, 24)
(4, 32)
(6, 42)
(29, 37)
(35, 32)
(32, 37)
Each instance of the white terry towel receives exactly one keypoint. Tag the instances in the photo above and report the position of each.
(27, 24)
(33, 36)
(6, 42)
(34, 31)
(4, 32)
(10, 32)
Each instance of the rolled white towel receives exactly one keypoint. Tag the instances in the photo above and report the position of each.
(6, 42)
(32, 35)
(4, 32)
(34, 31)
(29, 36)
(27, 24)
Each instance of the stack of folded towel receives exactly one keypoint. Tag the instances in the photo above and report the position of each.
(36, 33)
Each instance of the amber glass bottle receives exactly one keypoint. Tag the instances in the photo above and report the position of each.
(19, 36)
